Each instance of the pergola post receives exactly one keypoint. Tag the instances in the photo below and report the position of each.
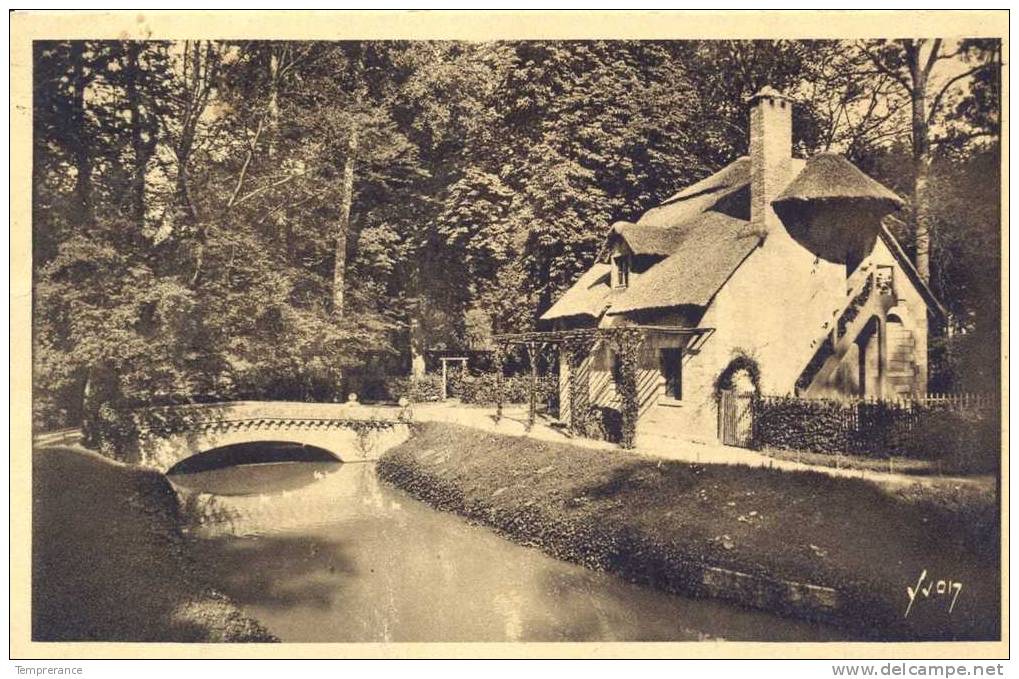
(500, 383)
(532, 401)
(576, 353)
(445, 390)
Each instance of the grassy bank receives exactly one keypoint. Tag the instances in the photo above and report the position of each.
(662, 523)
(109, 562)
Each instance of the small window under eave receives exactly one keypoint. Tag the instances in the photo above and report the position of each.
(621, 277)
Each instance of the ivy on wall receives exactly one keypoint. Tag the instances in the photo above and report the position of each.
(626, 343)
(741, 361)
(823, 353)
(853, 310)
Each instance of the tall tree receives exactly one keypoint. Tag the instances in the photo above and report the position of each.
(911, 63)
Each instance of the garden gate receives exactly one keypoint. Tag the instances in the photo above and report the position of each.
(736, 418)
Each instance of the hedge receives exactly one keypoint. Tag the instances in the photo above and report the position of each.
(963, 436)
(483, 389)
(480, 389)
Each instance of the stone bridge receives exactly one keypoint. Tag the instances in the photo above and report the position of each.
(351, 432)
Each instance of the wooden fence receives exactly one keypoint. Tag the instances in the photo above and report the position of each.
(934, 427)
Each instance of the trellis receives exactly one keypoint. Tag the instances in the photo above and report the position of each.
(574, 347)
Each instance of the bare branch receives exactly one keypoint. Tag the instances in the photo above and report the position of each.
(884, 68)
(286, 206)
(932, 58)
(936, 102)
(247, 160)
(263, 189)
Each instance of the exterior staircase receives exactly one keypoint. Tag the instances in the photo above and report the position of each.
(866, 300)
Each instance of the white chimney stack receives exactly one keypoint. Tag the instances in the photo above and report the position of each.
(771, 146)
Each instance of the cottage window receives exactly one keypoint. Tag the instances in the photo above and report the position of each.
(622, 271)
(672, 371)
(884, 279)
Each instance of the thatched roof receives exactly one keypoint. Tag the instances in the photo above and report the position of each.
(696, 198)
(830, 177)
(647, 240)
(731, 176)
(704, 235)
(713, 245)
(589, 296)
(701, 248)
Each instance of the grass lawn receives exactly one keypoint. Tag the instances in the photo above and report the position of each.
(896, 465)
(108, 560)
(659, 522)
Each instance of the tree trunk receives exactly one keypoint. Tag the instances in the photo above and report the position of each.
(417, 353)
(921, 159)
(82, 158)
(274, 108)
(343, 227)
(139, 145)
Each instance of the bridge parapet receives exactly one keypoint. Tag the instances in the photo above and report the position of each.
(351, 432)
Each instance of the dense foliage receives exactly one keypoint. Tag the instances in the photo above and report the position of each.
(264, 219)
(481, 389)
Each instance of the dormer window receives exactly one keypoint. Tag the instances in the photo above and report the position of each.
(622, 263)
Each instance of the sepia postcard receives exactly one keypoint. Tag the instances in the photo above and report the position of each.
(509, 334)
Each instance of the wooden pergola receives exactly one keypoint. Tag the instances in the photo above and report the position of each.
(575, 346)
(446, 360)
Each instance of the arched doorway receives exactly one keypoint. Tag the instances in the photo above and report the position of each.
(736, 388)
(869, 359)
(901, 370)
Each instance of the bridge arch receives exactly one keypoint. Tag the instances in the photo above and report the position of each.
(351, 434)
(255, 452)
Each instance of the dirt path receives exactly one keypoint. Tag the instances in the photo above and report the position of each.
(514, 420)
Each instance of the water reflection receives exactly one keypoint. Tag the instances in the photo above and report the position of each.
(344, 557)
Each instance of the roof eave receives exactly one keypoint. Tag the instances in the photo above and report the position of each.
(892, 204)
(914, 276)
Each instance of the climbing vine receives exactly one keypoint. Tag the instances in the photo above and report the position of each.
(740, 361)
(626, 343)
(576, 350)
(364, 428)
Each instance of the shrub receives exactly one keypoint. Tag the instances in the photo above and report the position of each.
(603, 424)
(483, 389)
(427, 388)
(962, 436)
(801, 424)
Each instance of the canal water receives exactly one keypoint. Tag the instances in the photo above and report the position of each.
(324, 551)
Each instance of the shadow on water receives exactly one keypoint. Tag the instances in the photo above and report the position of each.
(259, 452)
(253, 468)
(348, 558)
(279, 571)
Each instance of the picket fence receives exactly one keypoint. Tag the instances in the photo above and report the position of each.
(933, 427)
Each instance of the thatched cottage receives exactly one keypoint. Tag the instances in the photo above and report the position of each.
(775, 274)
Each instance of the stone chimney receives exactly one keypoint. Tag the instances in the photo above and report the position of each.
(771, 147)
